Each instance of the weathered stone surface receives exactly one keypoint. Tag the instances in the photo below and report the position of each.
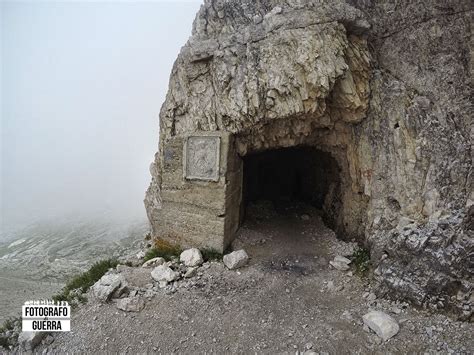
(236, 259)
(397, 119)
(154, 262)
(339, 265)
(191, 257)
(29, 340)
(163, 273)
(106, 286)
(262, 84)
(190, 272)
(131, 304)
(382, 324)
(202, 158)
(342, 259)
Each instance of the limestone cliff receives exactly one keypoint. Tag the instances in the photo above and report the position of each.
(385, 87)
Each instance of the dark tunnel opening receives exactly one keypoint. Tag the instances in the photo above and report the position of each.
(293, 175)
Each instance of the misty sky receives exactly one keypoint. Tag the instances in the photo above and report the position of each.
(82, 85)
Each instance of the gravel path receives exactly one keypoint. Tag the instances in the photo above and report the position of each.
(286, 300)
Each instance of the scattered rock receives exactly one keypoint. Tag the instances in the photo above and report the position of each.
(49, 340)
(131, 304)
(122, 268)
(330, 285)
(140, 255)
(382, 324)
(396, 310)
(121, 291)
(429, 331)
(106, 286)
(339, 265)
(154, 262)
(191, 272)
(164, 274)
(305, 217)
(29, 340)
(342, 259)
(371, 297)
(191, 257)
(236, 259)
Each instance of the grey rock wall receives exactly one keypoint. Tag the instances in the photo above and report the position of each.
(420, 132)
(384, 86)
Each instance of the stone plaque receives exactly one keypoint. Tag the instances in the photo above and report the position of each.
(202, 154)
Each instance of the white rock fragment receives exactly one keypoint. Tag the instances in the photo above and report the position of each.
(191, 257)
(131, 304)
(164, 274)
(106, 286)
(330, 286)
(371, 297)
(342, 259)
(339, 265)
(191, 272)
(396, 310)
(154, 262)
(275, 11)
(382, 324)
(236, 259)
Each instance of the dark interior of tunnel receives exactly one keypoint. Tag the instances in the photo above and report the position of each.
(293, 175)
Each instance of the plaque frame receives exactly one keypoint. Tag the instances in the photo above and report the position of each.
(191, 176)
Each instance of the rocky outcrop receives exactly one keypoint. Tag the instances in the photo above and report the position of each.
(418, 139)
(384, 87)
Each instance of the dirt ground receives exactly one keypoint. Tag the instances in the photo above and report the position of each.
(286, 300)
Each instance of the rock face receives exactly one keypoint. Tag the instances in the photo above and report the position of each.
(382, 87)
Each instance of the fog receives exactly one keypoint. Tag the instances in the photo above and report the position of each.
(82, 84)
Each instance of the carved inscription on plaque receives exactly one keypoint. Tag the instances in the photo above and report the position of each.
(202, 155)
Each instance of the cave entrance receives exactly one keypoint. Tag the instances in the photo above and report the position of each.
(288, 177)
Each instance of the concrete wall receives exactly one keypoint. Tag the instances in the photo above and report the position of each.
(197, 212)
